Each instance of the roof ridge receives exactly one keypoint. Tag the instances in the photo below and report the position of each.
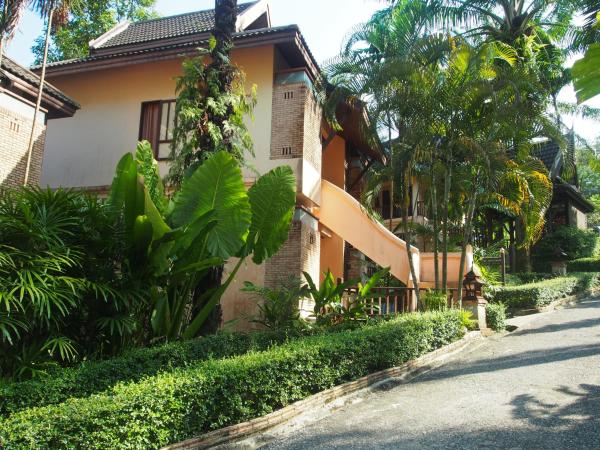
(155, 19)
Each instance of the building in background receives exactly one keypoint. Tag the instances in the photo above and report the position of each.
(18, 94)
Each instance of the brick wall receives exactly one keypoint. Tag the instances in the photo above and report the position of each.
(300, 253)
(14, 139)
(296, 124)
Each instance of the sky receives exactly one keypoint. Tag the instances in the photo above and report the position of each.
(324, 24)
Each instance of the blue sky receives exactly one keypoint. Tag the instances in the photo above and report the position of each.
(324, 23)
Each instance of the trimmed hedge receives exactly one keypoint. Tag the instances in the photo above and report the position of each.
(97, 376)
(542, 293)
(584, 265)
(174, 406)
(495, 314)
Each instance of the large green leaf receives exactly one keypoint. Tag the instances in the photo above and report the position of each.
(586, 74)
(272, 200)
(123, 189)
(148, 168)
(216, 185)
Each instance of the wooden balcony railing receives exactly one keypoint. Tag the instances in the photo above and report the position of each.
(396, 300)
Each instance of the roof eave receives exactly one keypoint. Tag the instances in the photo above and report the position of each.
(54, 107)
(289, 35)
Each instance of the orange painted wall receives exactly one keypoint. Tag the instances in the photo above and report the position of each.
(333, 170)
(334, 162)
(332, 255)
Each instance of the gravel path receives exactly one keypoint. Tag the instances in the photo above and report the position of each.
(535, 388)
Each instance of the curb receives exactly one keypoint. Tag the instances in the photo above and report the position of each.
(403, 374)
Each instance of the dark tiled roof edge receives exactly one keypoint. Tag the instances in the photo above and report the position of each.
(166, 27)
(31, 78)
(194, 43)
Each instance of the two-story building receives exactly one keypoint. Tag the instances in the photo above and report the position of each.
(126, 88)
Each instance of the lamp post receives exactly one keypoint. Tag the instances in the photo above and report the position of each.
(473, 297)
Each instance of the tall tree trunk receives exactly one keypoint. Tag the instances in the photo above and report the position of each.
(392, 173)
(434, 218)
(2, 43)
(38, 102)
(225, 19)
(408, 237)
(447, 185)
(465, 242)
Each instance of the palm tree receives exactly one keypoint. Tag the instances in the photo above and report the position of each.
(56, 13)
(384, 65)
(10, 15)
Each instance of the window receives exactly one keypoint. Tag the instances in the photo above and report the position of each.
(156, 126)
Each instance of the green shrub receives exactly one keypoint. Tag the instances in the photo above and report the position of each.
(575, 242)
(584, 265)
(542, 293)
(278, 308)
(174, 406)
(435, 301)
(532, 277)
(496, 316)
(466, 320)
(97, 376)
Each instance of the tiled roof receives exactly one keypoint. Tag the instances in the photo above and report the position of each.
(31, 78)
(547, 152)
(191, 44)
(167, 27)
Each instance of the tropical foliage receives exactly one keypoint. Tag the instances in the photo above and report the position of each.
(459, 114)
(82, 278)
(90, 21)
(333, 304)
(64, 291)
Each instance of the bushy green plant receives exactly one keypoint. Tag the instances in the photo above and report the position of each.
(542, 293)
(495, 314)
(584, 265)
(64, 290)
(91, 377)
(532, 277)
(332, 307)
(466, 319)
(576, 243)
(212, 218)
(435, 301)
(278, 308)
(173, 406)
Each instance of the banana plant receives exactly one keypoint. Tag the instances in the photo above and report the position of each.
(210, 220)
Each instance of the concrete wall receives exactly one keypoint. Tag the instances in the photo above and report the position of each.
(84, 150)
(16, 119)
(427, 278)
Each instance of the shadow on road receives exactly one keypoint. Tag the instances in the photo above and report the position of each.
(523, 359)
(574, 426)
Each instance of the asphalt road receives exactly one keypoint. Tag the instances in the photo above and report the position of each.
(535, 388)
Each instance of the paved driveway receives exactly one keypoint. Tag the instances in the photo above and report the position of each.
(535, 388)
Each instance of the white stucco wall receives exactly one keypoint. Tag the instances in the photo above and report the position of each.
(83, 151)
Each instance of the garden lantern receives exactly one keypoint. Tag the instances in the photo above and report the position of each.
(473, 286)
(559, 262)
(473, 297)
